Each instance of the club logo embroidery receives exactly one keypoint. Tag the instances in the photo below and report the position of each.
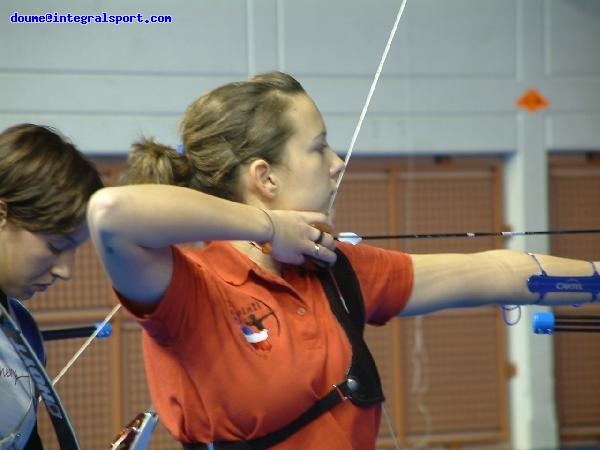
(252, 319)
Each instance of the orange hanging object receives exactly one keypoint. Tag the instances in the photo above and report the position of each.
(532, 101)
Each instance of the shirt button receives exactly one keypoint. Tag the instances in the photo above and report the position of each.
(301, 311)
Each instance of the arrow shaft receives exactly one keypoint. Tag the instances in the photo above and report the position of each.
(478, 234)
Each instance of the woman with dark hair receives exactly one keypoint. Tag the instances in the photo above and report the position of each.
(45, 185)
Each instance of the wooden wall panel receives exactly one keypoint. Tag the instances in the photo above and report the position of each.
(444, 374)
(574, 196)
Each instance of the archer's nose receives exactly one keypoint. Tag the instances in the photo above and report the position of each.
(337, 165)
(63, 266)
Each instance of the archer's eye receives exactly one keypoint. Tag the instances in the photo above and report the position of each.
(58, 246)
(321, 148)
(54, 249)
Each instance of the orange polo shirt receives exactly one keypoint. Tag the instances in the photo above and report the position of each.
(235, 352)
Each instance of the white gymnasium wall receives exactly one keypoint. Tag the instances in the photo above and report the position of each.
(454, 73)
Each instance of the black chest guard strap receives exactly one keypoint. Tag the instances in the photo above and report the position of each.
(346, 302)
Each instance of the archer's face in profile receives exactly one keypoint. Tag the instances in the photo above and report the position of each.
(31, 262)
(308, 173)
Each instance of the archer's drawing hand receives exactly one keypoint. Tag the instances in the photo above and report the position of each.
(296, 238)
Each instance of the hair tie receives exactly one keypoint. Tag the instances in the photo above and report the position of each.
(180, 149)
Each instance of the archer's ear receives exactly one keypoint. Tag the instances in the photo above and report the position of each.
(263, 179)
(3, 214)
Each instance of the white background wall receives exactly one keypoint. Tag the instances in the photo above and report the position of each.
(454, 73)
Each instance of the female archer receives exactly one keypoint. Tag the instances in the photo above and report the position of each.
(246, 348)
(45, 184)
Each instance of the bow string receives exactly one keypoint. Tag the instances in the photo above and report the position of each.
(365, 107)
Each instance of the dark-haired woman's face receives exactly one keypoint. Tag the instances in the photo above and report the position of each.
(31, 262)
(310, 167)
